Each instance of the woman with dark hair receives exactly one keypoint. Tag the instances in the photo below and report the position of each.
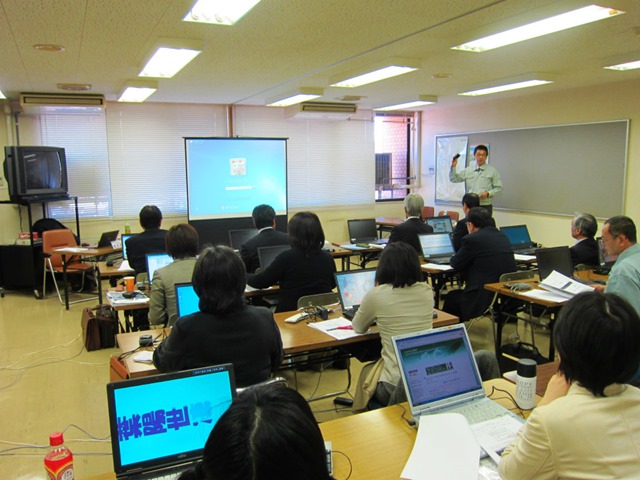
(588, 423)
(268, 432)
(305, 269)
(400, 303)
(181, 243)
(225, 330)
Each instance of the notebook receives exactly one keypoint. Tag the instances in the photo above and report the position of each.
(436, 247)
(606, 260)
(125, 237)
(107, 237)
(364, 231)
(266, 255)
(156, 261)
(237, 238)
(352, 287)
(160, 423)
(556, 258)
(187, 302)
(440, 375)
(440, 224)
(519, 238)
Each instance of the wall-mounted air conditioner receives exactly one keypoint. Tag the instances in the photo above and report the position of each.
(322, 110)
(28, 100)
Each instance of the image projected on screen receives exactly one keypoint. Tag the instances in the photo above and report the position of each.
(228, 177)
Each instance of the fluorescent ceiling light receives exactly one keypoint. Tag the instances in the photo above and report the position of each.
(420, 102)
(391, 68)
(505, 88)
(219, 12)
(138, 90)
(625, 66)
(2, 95)
(302, 95)
(170, 57)
(554, 24)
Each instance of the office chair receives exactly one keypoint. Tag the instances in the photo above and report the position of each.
(427, 212)
(52, 240)
(455, 216)
(318, 300)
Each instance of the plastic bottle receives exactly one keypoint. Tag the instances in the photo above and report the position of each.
(59, 461)
(127, 228)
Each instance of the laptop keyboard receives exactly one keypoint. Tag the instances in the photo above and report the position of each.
(526, 251)
(477, 412)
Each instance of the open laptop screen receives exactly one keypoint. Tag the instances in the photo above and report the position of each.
(266, 255)
(436, 244)
(353, 285)
(161, 420)
(187, 301)
(237, 238)
(437, 365)
(125, 237)
(518, 235)
(156, 261)
(362, 231)
(440, 224)
(555, 258)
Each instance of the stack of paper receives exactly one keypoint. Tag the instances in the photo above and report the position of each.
(116, 298)
(564, 286)
(339, 328)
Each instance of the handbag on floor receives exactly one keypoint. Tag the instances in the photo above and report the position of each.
(518, 350)
(99, 327)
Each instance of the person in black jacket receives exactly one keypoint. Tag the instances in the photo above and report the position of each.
(226, 329)
(264, 219)
(485, 254)
(469, 200)
(408, 230)
(583, 228)
(151, 240)
(303, 270)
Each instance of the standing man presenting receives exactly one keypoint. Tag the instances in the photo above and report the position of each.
(481, 179)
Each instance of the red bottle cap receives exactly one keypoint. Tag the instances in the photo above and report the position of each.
(56, 439)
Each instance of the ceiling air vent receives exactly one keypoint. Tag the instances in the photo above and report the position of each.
(322, 110)
(61, 100)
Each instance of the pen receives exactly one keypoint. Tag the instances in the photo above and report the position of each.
(346, 327)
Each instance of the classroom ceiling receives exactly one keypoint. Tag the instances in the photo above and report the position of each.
(282, 45)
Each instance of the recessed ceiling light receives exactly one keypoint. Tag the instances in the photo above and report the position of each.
(302, 95)
(137, 90)
(625, 66)
(219, 12)
(374, 76)
(170, 57)
(506, 87)
(421, 101)
(549, 25)
(48, 47)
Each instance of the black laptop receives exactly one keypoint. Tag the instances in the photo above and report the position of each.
(364, 231)
(160, 423)
(237, 238)
(107, 237)
(555, 258)
(606, 260)
(352, 287)
(436, 247)
(520, 240)
(266, 255)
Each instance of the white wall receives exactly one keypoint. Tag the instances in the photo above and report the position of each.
(615, 101)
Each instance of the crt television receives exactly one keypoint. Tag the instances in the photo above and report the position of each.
(35, 172)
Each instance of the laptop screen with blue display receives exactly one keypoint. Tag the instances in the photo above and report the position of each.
(164, 420)
(187, 301)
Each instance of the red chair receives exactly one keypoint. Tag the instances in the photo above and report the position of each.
(455, 216)
(51, 240)
(427, 212)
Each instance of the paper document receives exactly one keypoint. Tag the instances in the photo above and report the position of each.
(540, 294)
(496, 434)
(377, 245)
(145, 356)
(73, 249)
(437, 266)
(445, 448)
(124, 266)
(353, 246)
(116, 298)
(523, 258)
(563, 285)
(339, 328)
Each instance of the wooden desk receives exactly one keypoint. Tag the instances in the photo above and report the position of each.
(378, 443)
(543, 375)
(87, 253)
(386, 224)
(296, 338)
(550, 307)
(365, 254)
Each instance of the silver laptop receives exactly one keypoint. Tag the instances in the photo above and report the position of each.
(436, 247)
(440, 375)
(156, 261)
(352, 287)
(160, 423)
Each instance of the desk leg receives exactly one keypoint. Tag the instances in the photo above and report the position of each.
(499, 319)
(66, 281)
(99, 280)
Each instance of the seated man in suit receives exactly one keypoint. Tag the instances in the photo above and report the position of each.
(485, 254)
(469, 200)
(583, 228)
(408, 230)
(264, 219)
(151, 240)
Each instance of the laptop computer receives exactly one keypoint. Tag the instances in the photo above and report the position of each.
(440, 375)
(440, 224)
(160, 423)
(519, 238)
(352, 287)
(107, 237)
(266, 255)
(555, 258)
(156, 261)
(237, 238)
(125, 237)
(364, 231)
(606, 260)
(436, 247)
(187, 302)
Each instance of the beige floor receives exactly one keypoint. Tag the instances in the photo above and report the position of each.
(49, 382)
